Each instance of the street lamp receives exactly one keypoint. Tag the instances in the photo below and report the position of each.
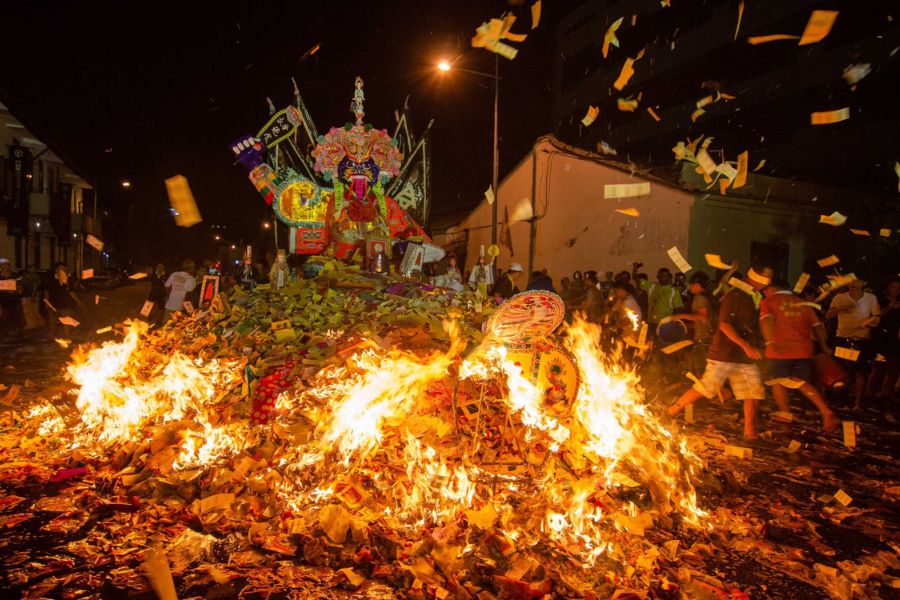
(445, 66)
(266, 225)
(126, 184)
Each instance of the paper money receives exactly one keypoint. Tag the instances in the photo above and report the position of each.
(716, 262)
(846, 353)
(818, 26)
(672, 348)
(87, 274)
(626, 74)
(184, 207)
(801, 283)
(849, 434)
(678, 259)
(830, 116)
(626, 105)
(626, 190)
(535, 14)
(884, 232)
(705, 162)
(591, 116)
(147, 308)
(842, 497)
(93, 242)
(835, 219)
(609, 38)
(69, 321)
(653, 114)
(860, 232)
(630, 212)
(828, 261)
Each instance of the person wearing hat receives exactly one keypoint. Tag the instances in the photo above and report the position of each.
(506, 287)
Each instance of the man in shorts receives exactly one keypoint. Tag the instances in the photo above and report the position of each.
(732, 355)
(788, 325)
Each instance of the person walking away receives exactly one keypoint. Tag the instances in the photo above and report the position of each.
(702, 315)
(157, 293)
(886, 343)
(506, 286)
(857, 313)
(662, 298)
(788, 327)
(61, 298)
(179, 284)
(732, 356)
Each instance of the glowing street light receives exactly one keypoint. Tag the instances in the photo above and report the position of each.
(443, 66)
(266, 225)
(217, 238)
(126, 184)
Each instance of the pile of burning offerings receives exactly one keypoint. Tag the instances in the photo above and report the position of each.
(359, 432)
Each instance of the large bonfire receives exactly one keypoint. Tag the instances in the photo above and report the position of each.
(375, 429)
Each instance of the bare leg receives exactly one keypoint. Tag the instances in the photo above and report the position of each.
(782, 398)
(688, 397)
(830, 420)
(750, 419)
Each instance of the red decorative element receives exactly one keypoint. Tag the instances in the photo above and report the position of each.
(267, 391)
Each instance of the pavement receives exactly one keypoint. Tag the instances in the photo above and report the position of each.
(37, 358)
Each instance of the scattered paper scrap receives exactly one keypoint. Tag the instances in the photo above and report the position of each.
(884, 232)
(705, 162)
(103, 330)
(672, 348)
(147, 308)
(761, 164)
(489, 195)
(775, 37)
(87, 274)
(849, 428)
(69, 321)
(860, 232)
(626, 105)
(137, 276)
(835, 219)
(741, 285)
(828, 261)
(842, 497)
(626, 190)
(855, 73)
(609, 38)
(625, 75)
(716, 262)
(535, 14)
(757, 278)
(678, 259)
(629, 212)
(793, 446)
(488, 36)
(740, 179)
(819, 25)
(738, 451)
(591, 116)
(653, 114)
(830, 116)
(737, 27)
(801, 283)
(93, 242)
(846, 353)
(184, 207)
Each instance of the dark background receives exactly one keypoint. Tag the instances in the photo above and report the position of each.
(163, 88)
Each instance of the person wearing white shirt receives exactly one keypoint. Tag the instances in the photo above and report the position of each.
(857, 312)
(179, 285)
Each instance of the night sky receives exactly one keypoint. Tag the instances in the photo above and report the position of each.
(165, 87)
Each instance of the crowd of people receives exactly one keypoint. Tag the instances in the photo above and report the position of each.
(747, 332)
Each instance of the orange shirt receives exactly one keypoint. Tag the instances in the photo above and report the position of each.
(793, 325)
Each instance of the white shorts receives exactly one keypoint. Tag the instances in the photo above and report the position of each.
(744, 378)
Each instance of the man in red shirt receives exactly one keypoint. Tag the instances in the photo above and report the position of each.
(732, 355)
(788, 325)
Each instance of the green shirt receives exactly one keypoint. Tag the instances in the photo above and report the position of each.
(662, 300)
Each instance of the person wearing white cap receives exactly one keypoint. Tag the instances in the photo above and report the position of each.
(506, 287)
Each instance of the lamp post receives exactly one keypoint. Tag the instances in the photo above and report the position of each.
(445, 66)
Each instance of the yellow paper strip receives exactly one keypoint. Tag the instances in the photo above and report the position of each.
(609, 38)
(861, 232)
(591, 116)
(137, 276)
(847, 353)
(741, 178)
(740, 16)
(625, 74)
(147, 308)
(801, 282)
(842, 497)
(629, 212)
(535, 14)
(671, 348)
(653, 114)
(757, 278)
(828, 261)
(626, 105)
(835, 219)
(678, 259)
(762, 39)
(626, 190)
(761, 164)
(818, 26)
(182, 201)
(849, 428)
(830, 116)
(104, 330)
(741, 285)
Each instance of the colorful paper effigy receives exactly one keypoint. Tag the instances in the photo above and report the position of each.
(332, 197)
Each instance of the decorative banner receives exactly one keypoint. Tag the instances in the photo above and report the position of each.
(830, 116)
(626, 190)
(182, 202)
(93, 243)
(281, 126)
